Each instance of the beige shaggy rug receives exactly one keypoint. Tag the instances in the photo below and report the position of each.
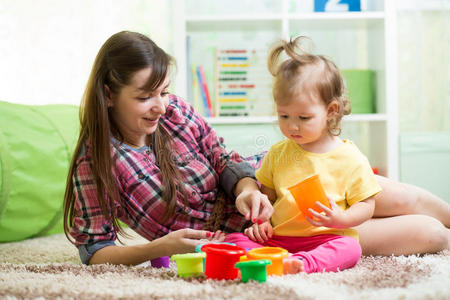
(49, 268)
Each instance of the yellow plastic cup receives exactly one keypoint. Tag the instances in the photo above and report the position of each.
(274, 254)
(189, 264)
(307, 192)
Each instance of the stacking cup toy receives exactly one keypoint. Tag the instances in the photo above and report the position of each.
(253, 269)
(220, 260)
(198, 248)
(274, 254)
(160, 262)
(189, 264)
(307, 192)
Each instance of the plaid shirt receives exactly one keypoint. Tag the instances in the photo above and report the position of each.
(204, 166)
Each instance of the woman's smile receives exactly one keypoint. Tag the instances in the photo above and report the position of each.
(151, 121)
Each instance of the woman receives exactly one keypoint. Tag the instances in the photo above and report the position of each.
(148, 159)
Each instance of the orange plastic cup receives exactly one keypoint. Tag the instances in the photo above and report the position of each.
(307, 192)
(275, 254)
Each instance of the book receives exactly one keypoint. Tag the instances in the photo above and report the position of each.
(196, 93)
(204, 91)
(204, 86)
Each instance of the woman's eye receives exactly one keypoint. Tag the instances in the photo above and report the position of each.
(164, 94)
(143, 98)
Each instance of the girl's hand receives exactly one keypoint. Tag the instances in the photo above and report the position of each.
(185, 240)
(332, 218)
(255, 206)
(259, 232)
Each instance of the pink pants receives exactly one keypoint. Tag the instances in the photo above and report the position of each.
(326, 252)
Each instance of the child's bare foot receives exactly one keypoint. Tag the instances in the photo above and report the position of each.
(292, 265)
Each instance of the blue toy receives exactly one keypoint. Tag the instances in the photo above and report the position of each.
(337, 5)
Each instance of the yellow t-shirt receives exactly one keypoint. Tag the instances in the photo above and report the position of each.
(344, 172)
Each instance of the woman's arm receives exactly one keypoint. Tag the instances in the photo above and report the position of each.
(180, 241)
(250, 202)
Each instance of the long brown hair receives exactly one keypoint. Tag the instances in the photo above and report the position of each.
(302, 71)
(120, 57)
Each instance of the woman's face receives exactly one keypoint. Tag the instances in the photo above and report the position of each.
(136, 111)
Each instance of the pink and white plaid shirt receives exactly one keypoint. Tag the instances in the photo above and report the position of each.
(204, 165)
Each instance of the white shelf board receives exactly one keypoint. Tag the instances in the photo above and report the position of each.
(337, 16)
(221, 18)
(273, 119)
(365, 118)
(280, 17)
(242, 120)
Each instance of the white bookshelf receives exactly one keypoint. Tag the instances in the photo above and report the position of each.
(364, 39)
(273, 119)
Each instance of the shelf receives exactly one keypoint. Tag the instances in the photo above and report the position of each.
(337, 16)
(353, 40)
(238, 22)
(294, 16)
(349, 18)
(365, 118)
(242, 120)
(273, 119)
(233, 18)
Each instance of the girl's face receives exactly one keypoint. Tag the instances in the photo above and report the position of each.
(136, 111)
(303, 119)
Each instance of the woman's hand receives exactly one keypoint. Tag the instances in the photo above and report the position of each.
(259, 232)
(254, 205)
(332, 218)
(185, 240)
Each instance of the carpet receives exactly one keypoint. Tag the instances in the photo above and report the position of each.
(49, 268)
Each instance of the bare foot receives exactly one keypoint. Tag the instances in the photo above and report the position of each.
(292, 265)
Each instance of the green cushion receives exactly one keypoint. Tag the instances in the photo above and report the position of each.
(36, 145)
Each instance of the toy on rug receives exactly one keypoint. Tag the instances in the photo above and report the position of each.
(228, 261)
(274, 254)
(220, 260)
(189, 264)
(253, 270)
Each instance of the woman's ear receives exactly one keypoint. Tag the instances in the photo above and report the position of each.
(108, 97)
(332, 109)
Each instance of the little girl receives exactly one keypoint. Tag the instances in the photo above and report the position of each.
(309, 95)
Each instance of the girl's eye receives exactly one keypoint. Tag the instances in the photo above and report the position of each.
(304, 118)
(283, 116)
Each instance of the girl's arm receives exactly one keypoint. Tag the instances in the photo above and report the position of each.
(180, 241)
(337, 218)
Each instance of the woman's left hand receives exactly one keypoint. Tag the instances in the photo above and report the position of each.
(332, 218)
(254, 205)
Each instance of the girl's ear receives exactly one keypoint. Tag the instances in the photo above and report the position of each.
(332, 109)
(108, 97)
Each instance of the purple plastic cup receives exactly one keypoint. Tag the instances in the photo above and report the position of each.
(160, 262)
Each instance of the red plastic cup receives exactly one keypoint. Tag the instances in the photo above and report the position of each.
(220, 260)
(307, 192)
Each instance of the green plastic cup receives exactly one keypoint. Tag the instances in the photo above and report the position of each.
(253, 270)
(189, 264)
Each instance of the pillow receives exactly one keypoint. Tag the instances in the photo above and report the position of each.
(36, 146)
